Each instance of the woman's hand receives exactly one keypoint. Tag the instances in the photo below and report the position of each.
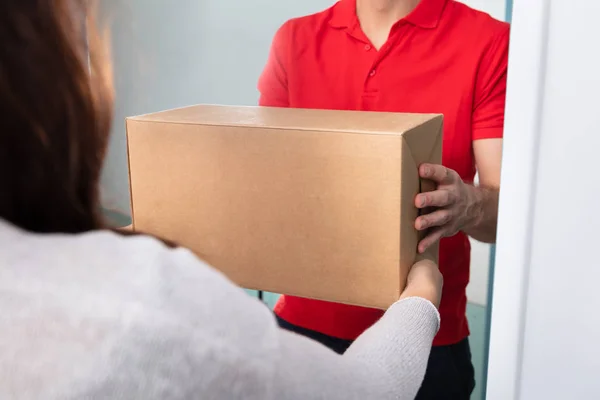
(424, 280)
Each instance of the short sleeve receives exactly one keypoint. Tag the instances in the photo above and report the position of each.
(490, 90)
(273, 83)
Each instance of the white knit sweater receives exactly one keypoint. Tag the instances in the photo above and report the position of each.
(100, 316)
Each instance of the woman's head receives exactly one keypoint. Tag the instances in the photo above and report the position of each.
(55, 114)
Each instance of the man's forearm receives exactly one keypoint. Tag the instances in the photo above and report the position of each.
(482, 214)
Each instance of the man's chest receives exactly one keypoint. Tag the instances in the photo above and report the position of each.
(401, 81)
(398, 80)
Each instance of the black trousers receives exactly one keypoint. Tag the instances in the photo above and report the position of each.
(449, 376)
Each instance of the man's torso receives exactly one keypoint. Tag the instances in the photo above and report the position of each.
(428, 65)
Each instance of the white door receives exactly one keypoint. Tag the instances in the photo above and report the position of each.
(545, 332)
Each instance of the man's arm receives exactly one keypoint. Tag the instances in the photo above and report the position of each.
(462, 206)
(487, 133)
(273, 83)
(488, 155)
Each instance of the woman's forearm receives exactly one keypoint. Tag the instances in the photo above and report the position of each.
(387, 362)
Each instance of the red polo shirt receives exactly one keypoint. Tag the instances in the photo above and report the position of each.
(442, 58)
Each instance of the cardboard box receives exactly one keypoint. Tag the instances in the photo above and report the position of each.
(312, 203)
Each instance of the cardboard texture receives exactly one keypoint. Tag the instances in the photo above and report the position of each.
(312, 203)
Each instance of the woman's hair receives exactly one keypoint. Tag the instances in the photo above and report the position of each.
(55, 115)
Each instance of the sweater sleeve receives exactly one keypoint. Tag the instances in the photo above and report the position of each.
(387, 362)
(182, 330)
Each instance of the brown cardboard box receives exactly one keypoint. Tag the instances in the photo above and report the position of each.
(312, 203)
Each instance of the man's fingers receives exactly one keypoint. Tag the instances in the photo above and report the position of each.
(436, 173)
(434, 236)
(437, 198)
(439, 221)
(436, 218)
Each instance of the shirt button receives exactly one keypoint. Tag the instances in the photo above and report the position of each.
(372, 73)
(367, 47)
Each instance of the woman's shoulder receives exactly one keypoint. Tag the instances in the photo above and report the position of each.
(87, 256)
(136, 268)
(107, 310)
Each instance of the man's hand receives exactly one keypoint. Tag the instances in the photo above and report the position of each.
(456, 205)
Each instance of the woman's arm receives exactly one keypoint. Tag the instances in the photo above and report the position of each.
(387, 362)
(256, 358)
(197, 335)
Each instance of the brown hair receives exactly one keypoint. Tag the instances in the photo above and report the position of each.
(55, 115)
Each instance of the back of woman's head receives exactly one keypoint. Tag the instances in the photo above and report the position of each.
(55, 114)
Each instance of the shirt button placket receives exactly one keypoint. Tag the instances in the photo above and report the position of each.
(370, 92)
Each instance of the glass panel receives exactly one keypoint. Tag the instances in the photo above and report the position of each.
(490, 293)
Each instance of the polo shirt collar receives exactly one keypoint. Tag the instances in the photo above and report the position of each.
(426, 15)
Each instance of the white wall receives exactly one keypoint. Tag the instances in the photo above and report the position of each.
(496, 8)
(174, 53)
(545, 324)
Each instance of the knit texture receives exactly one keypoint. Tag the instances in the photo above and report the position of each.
(100, 316)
